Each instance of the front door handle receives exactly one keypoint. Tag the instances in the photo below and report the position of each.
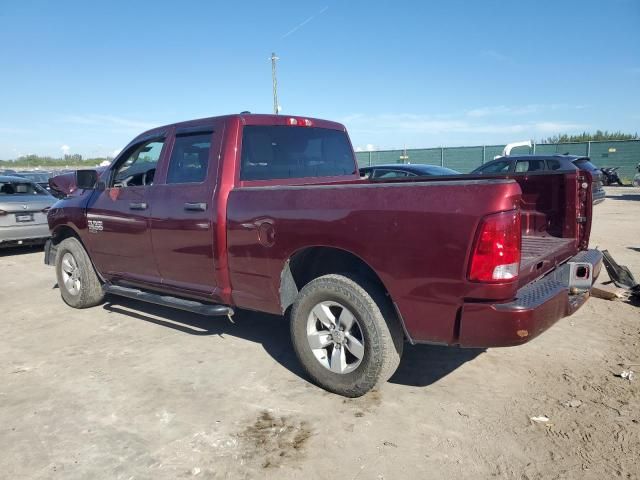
(195, 206)
(138, 206)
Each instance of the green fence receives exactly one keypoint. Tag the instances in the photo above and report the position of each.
(624, 154)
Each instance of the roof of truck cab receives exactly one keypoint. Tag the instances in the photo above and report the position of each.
(246, 119)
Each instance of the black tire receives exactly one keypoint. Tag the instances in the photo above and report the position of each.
(381, 331)
(89, 293)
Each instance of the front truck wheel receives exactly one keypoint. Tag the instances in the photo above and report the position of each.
(347, 338)
(78, 282)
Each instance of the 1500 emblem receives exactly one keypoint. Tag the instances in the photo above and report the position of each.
(95, 226)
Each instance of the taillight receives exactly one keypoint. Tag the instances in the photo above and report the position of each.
(496, 252)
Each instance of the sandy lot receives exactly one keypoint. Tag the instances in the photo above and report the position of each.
(133, 391)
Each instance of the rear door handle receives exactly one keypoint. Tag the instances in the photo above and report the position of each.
(195, 207)
(138, 206)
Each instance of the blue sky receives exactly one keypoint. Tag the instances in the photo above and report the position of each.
(85, 77)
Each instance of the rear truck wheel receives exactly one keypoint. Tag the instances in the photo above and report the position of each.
(78, 282)
(346, 334)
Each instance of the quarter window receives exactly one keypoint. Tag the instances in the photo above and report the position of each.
(553, 165)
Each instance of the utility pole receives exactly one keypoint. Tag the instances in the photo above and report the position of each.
(404, 157)
(276, 107)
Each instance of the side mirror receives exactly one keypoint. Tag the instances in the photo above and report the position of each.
(86, 179)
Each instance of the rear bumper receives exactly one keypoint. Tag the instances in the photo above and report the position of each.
(536, 307)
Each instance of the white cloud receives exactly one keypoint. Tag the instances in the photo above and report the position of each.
(521, 109)
(495, 55)
(108, 121)
(401, 127)
(65, 149)
(13, 131)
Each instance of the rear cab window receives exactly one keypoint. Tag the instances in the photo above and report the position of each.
(271, 152)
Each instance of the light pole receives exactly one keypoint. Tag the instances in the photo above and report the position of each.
(276, 107)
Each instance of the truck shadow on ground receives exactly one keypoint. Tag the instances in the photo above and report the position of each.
(421, 365)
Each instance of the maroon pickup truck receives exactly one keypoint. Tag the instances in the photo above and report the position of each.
(268, 213)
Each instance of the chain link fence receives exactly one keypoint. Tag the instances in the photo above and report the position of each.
(624, 154)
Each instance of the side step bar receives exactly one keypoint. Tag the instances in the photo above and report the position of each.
(168, 301)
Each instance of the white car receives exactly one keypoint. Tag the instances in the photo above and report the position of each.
(23, 212)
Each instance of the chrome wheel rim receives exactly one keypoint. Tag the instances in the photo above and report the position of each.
(335, 337)
(71, 274)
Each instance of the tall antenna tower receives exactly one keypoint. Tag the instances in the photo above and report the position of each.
(276, 107)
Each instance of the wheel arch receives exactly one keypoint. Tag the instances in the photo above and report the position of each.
(64, 231)
(311, 262)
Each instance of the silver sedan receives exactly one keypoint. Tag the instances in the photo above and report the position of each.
(23, 212)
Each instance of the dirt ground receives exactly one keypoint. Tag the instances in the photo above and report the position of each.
(133, 391)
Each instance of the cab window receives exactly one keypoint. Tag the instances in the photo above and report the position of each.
(278, 152)
(529, 166)
(139, 167)
(190, 158)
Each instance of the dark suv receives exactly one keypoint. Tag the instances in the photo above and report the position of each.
(523, 164)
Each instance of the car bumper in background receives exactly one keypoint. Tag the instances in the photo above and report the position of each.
(599, 196)
(22, 234)
(536, 307)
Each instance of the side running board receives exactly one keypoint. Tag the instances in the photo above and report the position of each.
(169, 301)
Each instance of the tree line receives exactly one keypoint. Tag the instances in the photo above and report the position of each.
(598, 136)
(75, 160)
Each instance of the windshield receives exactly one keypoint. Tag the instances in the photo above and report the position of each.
(35, 176)
(585, 164)
(16, 187)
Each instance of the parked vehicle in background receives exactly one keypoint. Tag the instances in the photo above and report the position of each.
(269, 213)
(528, 164)
(610, 176)
(39, 177)
(23, 212)
(399, 170)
